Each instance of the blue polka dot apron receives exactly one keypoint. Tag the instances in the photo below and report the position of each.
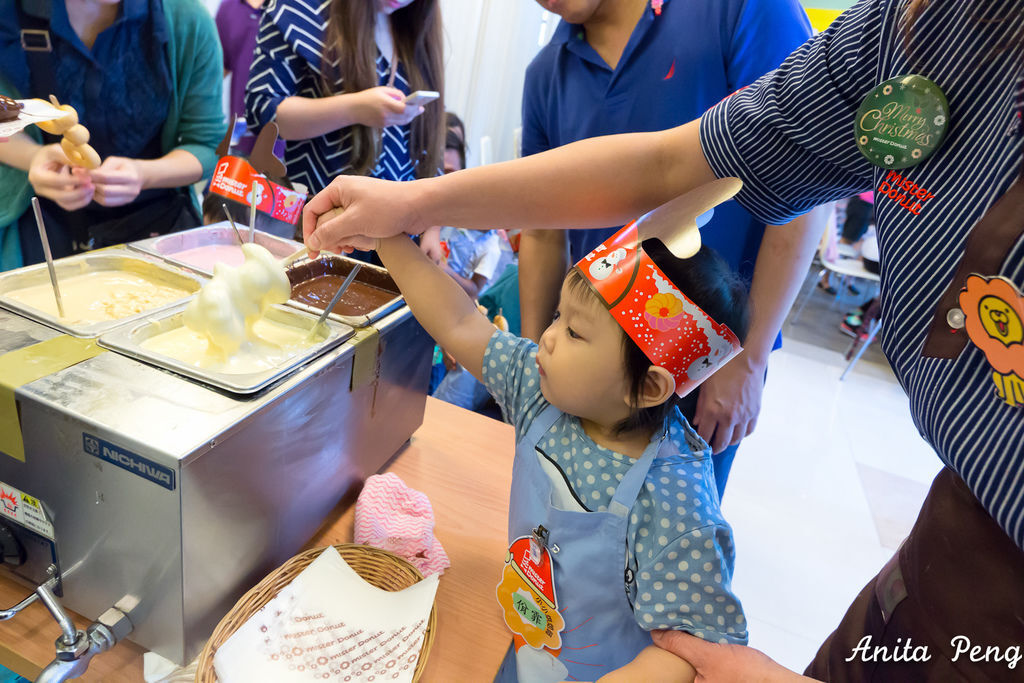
(584, 556)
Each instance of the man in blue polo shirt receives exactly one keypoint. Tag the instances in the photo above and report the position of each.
(621, 66)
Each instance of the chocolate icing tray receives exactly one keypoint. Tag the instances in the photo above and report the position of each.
(166, 246)
(113, 258)
(372, 294)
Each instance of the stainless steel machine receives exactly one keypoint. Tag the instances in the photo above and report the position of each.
(168, 498)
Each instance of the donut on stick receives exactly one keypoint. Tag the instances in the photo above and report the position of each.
(75, 142)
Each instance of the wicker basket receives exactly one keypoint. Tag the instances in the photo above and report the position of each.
(378, 567)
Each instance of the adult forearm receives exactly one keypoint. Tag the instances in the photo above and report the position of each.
(177, 168)
(785, 253)
(302, 118)
(598, 182)
(543, 262)
(18, 151)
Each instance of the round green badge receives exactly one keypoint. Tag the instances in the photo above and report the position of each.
(901, 122)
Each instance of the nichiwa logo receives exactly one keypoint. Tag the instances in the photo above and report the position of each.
(126, 460)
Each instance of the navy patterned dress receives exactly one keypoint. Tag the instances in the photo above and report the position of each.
(287, 63)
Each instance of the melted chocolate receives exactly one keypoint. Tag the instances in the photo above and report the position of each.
(10, 108)
(315, 283)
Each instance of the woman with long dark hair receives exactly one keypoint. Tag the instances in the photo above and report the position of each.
(334, 78)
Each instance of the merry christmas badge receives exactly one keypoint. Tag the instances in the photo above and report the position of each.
(993, 310)
(672, 331)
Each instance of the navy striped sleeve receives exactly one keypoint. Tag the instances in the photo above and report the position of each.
(789, 136)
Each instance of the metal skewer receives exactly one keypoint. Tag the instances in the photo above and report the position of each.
(49, 258)
(232, 221)
(252, 213)
(337, 297)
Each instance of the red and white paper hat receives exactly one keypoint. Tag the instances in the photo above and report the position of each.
(672, 331)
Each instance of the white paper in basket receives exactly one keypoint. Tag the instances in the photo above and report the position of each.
(329, 624)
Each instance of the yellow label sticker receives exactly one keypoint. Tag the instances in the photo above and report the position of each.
(26, 365)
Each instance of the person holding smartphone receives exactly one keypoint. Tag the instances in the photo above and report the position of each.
(334, 77)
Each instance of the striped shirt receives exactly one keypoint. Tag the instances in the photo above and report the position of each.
(790, 138)
(287, 62)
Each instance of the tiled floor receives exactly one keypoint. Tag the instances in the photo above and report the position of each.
(825, 489)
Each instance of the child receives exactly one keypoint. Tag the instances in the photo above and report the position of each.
(614, 514)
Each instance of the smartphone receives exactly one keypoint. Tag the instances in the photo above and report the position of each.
(421, 97)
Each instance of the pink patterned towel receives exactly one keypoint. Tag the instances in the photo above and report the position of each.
(394, 517)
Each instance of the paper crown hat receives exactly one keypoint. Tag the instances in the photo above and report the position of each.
(260, 179)
(672, 331)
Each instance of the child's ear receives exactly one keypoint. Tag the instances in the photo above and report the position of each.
(658, 387)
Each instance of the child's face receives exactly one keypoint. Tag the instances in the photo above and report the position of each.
(581, 362)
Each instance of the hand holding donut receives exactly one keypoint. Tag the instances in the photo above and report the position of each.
(52, 176)
(76, 136)
(118, 181)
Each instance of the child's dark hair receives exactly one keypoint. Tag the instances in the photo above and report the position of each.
(453, 141)
(707, 281)
(455, 137)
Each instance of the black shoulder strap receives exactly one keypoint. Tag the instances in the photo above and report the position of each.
(34, 18)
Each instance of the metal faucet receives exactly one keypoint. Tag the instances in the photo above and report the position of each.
(75, 648)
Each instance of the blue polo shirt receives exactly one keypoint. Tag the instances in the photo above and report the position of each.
(675, 66)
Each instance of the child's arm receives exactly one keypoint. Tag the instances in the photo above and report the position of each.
(653, 665)
(438, 302)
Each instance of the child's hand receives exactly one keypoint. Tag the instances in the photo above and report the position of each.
(430, 244)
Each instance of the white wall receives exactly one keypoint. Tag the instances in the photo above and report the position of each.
(488, 45)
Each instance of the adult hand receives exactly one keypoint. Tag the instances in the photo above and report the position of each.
(430, 244)
(382, 106)
(118, 181)
(52, 176)
(353, 212)
(729, 402)
(717, 663)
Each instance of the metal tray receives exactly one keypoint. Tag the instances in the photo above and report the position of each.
(114, 258)
(128, 340)
(166, 246)
(370, 274)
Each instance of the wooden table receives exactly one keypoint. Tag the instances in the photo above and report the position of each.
(463, 462)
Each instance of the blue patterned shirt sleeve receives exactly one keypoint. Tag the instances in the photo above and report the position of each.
(510, 374)
(681, 548)
(686, 587)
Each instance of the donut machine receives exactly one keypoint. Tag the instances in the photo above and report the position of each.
(165, 495)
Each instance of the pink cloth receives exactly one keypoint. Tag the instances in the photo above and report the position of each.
(394, 517)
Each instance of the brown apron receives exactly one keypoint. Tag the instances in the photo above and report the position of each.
(956, 574)
(957, 582)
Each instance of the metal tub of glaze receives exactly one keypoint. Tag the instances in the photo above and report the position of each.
(174, 248)
(130, 340)
(175, 497)
(372, 295)
(117, 259)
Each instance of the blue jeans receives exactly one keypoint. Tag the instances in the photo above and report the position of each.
(722, 463)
